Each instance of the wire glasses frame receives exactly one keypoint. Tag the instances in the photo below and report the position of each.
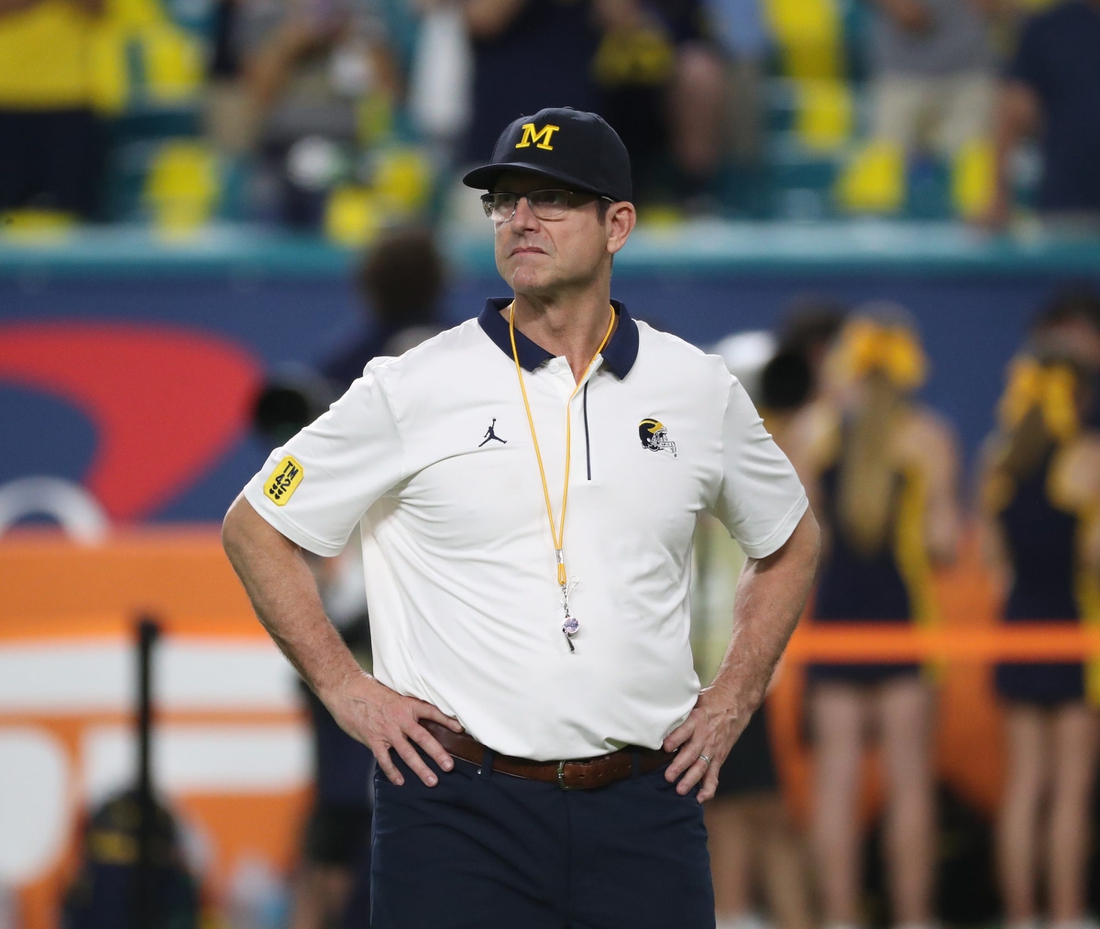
(551, 203)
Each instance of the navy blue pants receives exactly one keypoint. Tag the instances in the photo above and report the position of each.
(486, 850)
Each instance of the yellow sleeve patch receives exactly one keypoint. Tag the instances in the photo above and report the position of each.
(284, 480)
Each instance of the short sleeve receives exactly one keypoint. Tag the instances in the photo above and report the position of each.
(760, 500)
(316, 488)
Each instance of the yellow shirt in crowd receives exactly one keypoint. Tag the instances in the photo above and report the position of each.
(44, 57)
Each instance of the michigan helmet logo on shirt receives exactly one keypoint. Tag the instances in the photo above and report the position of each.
(654, 436)
(541, 138)
(284, 480)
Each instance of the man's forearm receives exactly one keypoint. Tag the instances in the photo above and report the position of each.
(285, 597)
(771, 594)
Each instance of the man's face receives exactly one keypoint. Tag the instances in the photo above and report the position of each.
(538, 256)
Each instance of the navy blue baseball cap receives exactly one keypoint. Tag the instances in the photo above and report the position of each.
(579, 149)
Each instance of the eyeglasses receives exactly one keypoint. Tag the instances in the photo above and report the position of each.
(545, 204)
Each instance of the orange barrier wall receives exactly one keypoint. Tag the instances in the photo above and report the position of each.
(56, 593)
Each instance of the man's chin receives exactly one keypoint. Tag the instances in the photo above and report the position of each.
(527, 281)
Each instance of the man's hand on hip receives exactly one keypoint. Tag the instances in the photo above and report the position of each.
(383, 719)
(704, 740)
(771, 594)
(284, 594)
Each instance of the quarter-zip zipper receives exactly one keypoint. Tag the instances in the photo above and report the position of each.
(587, 445)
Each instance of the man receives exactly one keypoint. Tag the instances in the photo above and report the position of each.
(516, 629)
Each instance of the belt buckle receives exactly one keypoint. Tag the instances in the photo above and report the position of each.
(561, 776)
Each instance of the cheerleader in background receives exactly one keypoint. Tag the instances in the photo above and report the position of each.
(1041, 507)
(757, 854)
(881, 470)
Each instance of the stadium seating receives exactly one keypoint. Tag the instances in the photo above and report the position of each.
(817, 160)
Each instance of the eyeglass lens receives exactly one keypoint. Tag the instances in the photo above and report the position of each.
(545, 204)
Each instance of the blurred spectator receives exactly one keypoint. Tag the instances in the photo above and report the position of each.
(51, 143)
(792, 378)
(227, 112)
(400, 285)
(333, 879)
(742, 38)
(1071, 323)
(753, 843)
(644, 65)
(311, 67)
(1072, 320)
(880, 469)
(933, 74)
(1040, 494)
(441, 78)
(1052, 89)
(663, 87)
(104, 888)
(756, 852)
(528, 54)
(746, 355)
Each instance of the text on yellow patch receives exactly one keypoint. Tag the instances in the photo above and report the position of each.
(284, 480)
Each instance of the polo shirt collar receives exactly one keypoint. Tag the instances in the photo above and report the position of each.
(618, 355)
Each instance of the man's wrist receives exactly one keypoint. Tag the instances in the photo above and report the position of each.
(336, 686)
(733, 693)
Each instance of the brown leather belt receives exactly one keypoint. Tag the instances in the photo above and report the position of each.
(568, 775)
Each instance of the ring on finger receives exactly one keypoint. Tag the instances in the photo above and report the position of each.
(705, 759)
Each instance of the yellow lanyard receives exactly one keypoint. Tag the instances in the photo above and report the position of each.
(557, 529)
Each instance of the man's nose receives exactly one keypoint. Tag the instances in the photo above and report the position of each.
(523, 218)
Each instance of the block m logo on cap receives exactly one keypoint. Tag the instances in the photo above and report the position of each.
(541, 138)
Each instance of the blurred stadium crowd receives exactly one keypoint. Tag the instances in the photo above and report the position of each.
(347, 115)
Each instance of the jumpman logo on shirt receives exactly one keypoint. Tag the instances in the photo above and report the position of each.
(490, 434)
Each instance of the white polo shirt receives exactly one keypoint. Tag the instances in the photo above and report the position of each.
(431, 453)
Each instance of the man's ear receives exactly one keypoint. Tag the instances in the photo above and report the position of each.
(620, 221)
